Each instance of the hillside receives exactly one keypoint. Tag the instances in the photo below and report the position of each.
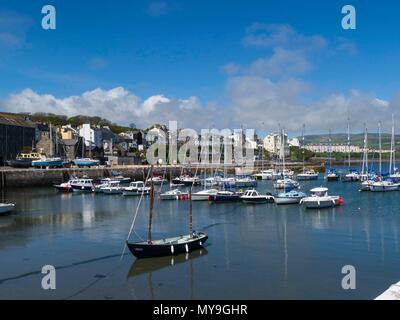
(355, 139)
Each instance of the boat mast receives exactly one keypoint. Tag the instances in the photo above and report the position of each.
(348, 140)
(302, 146)
(366, 149)
(391, 166)
(330, 149)
(380, 148)
(364, 152)
(190, 213)
(51, 141)
(151, 207)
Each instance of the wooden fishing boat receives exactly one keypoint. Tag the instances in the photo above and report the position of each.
(168, 246)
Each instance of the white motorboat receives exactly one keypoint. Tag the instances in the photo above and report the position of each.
(157, 180)
(291, 197)
(112, 188)
(286, 183)
(245, 182)
(204, 195)
(384, 186)
(265, 175)
(252, 196)
(319, 199)
(82, 185)
(66, 186)
(174, 194)
(308, 175)
(6, 207)
(285, 173)
(351, 177)
(121, 179)
(136, 188)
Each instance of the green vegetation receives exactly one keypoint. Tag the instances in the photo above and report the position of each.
(296, 154)
(60, 120)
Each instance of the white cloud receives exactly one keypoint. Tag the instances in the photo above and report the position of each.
(282, 62)
(118, 105)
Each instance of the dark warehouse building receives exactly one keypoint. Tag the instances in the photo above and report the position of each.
(17, 133)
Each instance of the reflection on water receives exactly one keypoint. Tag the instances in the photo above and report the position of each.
(147, 267)
(254, 251)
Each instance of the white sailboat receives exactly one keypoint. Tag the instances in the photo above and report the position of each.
(383, 185)
(352, 175)
(306, 174)
(288, 196)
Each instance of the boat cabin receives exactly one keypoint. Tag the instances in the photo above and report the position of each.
(251, 193)
(319, 192)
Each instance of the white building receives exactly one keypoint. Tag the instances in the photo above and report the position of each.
(295, 142)
(91, 135)
(273, 143)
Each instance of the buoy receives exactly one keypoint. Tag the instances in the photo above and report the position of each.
(340, 201)
(172, 249)
(187, 247)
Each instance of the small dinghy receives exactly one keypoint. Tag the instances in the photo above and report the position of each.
(168, 246)
(252, 196)
(319, 199)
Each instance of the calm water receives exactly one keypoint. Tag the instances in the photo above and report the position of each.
(254, 251)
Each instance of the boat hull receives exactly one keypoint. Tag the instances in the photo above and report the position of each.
(287, 200)
(168, 247)
(86, 163)
(6, 207)
(332, 178)
(82, 189)
(224, 198)
(384, 188)
(257, 200)
(21, 163)
(65, 189)
(307, 177)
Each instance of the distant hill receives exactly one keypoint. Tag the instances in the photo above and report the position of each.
(355, 139)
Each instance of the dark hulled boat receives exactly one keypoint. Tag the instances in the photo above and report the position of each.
(226, 196)
(168, 246)
(24, 160)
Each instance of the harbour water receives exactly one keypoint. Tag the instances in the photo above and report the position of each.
(254, 251)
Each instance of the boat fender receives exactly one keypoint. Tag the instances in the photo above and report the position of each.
(172, 249)
(201, 243)
(187, 247)
(340, 201)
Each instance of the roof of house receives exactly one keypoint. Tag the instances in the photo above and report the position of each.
(13, 119)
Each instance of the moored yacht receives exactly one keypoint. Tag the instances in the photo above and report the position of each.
(265, 175)
(384, 186)
(352, 176)
(319, 198)
(308, 175)
(245, 182)
(112, 188)
(85, 162)
(286, 183)
(290, 197)
(204, 195)
(332, 176)
(174, 194)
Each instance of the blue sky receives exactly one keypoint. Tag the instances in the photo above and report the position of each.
(202, 57)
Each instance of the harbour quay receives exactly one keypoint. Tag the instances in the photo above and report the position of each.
(33, 177)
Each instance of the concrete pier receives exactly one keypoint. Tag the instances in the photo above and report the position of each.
(32, 177)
